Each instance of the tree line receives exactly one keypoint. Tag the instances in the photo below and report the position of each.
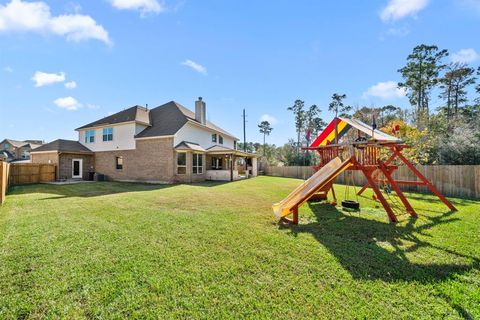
(445, 130)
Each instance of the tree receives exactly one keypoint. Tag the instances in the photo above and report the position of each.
(454, 86)
(265, 129)
(477, 88)
(314, 122)
(339, 108)
(383, 115)
(420, 76)
(287, 153)
(300, 117)
(422, 143)
(249, 147)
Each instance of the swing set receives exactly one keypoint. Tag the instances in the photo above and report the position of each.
(374, 153)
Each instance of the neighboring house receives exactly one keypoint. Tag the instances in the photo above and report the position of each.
(15, 150)
(166, 144)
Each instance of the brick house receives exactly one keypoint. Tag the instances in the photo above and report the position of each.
(165, 144)
(15, 150)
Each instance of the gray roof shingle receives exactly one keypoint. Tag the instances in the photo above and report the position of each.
(63, 146)
(131, 114)
(168, 118)
(165, 120)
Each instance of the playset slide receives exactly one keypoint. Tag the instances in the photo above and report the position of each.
(307, 189)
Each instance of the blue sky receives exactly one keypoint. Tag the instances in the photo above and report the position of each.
(64, 64)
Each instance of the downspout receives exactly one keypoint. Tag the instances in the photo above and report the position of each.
(58, 167)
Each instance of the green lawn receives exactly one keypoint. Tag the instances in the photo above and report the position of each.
(212, 250)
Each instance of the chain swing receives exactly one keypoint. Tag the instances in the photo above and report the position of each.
(348, 203)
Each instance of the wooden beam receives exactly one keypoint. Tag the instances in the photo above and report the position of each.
(378, 193)
(424, 179)
(376, 173)
(397, 190)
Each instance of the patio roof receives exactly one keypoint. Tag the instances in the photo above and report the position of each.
(185, 145)
(216, 149)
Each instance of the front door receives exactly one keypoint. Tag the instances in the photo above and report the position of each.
(77, 165)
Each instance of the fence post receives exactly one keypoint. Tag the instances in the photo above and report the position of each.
(3, 180)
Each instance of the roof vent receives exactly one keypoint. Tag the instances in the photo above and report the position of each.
(200, 111)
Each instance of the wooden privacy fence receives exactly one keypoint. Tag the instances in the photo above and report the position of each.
(452, 181)
(4, 174)
(28, 173)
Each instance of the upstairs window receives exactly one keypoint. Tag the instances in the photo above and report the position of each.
(181, 163)
(89, 136)
(197, 164)
(214, 138)
(107, 134)
(6, 146)
(119, 163)
(220, 139)
(235, 144)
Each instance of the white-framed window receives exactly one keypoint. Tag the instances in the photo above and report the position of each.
(181, 163)
(217, 163)
(220, 139)
(214, 137)
(89, 136)
(107, 134)
(197, 163)
(119, 163)
(25, 154)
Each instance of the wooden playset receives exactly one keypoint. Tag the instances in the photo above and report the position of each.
(363, 148)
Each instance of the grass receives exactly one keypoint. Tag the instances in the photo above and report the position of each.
(212, 250)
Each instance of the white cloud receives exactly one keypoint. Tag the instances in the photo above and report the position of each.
(398, 9)
(195, 66)
(20, 16)
(465, 56)
(8, 69)
(385, 90)
(144, 6)
(71, 85)
(68, 103)
(271, 119)
(43, 79)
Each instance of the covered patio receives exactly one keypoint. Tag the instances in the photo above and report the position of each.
(225, 164)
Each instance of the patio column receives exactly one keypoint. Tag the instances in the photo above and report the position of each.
(231, 167)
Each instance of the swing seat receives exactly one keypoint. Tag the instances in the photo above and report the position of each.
(350, 204)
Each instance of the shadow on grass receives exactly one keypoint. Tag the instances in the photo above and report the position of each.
(370, 249)
(96, 189)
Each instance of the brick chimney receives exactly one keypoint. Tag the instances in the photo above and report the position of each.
(200, 111)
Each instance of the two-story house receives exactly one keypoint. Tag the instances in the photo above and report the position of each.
(166, 144)
(15, 150)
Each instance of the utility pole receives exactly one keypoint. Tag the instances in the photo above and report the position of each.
(244, 132)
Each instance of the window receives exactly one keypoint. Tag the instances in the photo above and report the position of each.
(217, 163)
(214, 138)
(25, 154)
(181, 163)
(107, 134)
(119, 163)
(220, 139)
(6, 146)
(89, 136)
(197, 164)
(235, 144)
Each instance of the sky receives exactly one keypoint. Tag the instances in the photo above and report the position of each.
(67, 63)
